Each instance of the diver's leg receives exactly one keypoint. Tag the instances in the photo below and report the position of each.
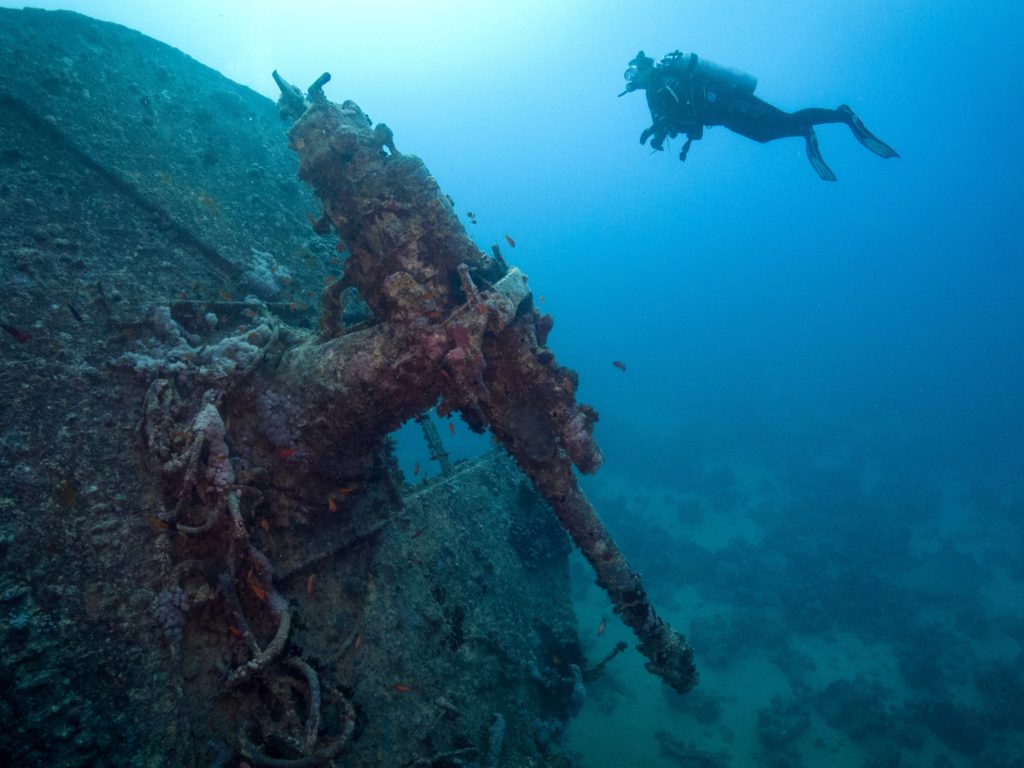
(758, 120)
(864, 136)
(755, 119)
(812, 116)
(749, 116)
(815, 116)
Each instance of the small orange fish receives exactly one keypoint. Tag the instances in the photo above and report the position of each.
(287, 453)
(158, 524)
(310, 583)
(226, 296)
(402, 688)
(620, 365)
(600, 627)
(510, 241)
(451, 427)
(264, 524)
(416, 469)
(234, 630)
(348, 489)
(332, 505)
(255, 586)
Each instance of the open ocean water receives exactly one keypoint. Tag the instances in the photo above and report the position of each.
(815, 453)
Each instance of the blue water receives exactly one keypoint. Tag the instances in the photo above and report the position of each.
(816, 453)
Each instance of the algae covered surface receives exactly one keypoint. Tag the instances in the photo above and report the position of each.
(185, 579)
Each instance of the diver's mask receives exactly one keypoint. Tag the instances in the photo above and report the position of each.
(638, 67)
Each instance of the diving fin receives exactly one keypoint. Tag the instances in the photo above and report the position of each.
(866, 137)
(814, 155)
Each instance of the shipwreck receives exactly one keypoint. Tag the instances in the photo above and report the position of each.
(209, 554)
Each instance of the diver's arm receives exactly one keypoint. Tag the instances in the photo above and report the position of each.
(693, 135)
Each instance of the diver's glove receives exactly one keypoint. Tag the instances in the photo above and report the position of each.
(693, 134)
(657, 136)
(685, 150)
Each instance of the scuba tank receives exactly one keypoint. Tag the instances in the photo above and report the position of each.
(712, 73)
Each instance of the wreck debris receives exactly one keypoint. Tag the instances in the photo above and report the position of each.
(495, 741)
(592, 673)
(292, 103)
(449, 324)
(259, 577)
(434, 444)
(288, 731)
(333, 301)
(188, 445)
(315, 92)
(179, 228)
(454, 757)
(334, 548)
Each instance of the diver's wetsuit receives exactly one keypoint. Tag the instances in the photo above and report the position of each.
(748, 116)
(681, 101)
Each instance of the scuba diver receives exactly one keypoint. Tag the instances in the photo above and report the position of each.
(686, 94)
